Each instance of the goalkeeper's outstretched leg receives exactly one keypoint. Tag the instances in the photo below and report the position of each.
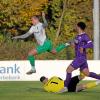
(87, 86)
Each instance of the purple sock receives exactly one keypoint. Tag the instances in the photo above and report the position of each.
(94, 75)
(68, 78)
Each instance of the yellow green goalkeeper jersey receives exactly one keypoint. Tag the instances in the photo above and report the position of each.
(54, 84)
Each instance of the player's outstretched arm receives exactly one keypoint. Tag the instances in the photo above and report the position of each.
(30, 32)
(45, 24)
(22, 36)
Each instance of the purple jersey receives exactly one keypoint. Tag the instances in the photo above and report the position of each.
(84, 42)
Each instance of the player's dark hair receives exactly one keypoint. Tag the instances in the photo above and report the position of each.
(42, 78)
(82, 25)
(36, 17)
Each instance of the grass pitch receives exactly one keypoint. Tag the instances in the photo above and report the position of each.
(34, 91)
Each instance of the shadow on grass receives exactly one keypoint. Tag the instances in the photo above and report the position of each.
(88, 93)
(85, 93)
(35, 90)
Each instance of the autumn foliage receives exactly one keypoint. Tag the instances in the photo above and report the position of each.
(15, 19)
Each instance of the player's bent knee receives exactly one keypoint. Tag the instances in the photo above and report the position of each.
(54, 51)
(69, 69)
(86, 74)
(33, 52)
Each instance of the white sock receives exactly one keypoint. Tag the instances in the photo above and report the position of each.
(67, 44)
(33, 68)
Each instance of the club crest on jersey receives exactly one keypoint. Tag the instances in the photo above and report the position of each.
(79, 37)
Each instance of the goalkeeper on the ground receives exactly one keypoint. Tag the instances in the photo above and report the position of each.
(56, 84)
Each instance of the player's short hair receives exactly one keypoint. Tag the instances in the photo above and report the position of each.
(82, 25)
(36, 17)
(42, 78)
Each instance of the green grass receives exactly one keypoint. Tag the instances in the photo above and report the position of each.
(34, 91)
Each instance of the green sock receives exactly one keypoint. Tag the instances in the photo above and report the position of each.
(60, 47)
(31, 58)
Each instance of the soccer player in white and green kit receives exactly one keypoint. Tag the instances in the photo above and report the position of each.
(44, 44)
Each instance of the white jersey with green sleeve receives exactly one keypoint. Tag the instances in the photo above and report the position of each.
(38, 30)
(39, 33)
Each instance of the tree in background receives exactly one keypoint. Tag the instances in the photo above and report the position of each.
(15, 15)
(67, 15)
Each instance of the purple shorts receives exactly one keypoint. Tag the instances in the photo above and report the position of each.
(79, 62)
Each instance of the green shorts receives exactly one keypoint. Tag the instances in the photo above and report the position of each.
(47, 46)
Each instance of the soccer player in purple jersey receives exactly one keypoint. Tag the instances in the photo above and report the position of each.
(80, 61)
